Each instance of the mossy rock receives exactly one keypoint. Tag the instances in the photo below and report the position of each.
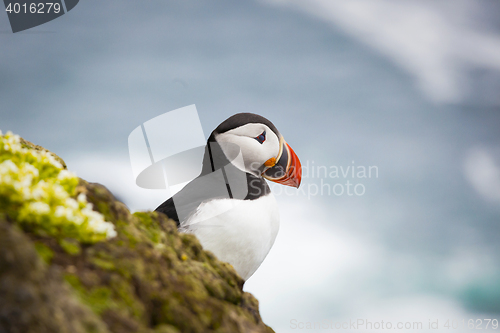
(31, 145)
(149, 278)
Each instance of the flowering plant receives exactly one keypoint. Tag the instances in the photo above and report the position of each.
(38, 194)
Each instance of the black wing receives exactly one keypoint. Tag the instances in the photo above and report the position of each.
(213, 184)
(187, 200)
(168, 208)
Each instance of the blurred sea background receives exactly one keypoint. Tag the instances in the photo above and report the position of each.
(410, 88)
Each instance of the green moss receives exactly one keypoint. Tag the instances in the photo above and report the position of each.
(150, 227)
(163, 328)
(44, 252)
(70, 246)
(124, 295)
(103, 208)
(117, 297)
(103, 264)
(98, 299)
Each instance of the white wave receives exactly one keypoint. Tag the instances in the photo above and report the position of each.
(436, 41)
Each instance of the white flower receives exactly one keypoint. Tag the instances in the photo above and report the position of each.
(110, 230)
(92, 215)
(78, 219)
(71, 203)
(30, 169)
(26, 193)
(60, 211)
(39, 207)
(12, 142)
(51, 159)
(8, 166)
(39, 191)
(82, 198)
(65, 174)
(7, 179)
(59, 192)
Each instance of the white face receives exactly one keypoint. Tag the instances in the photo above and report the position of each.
(255, 154)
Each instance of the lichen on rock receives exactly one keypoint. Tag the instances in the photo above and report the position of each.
(144, 276)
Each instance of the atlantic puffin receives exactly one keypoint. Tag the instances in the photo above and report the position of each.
(229, 206)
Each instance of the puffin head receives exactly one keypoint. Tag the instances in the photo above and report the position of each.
(264, 150)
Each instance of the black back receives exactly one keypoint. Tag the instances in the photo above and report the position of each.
(257, 187)
(168, 208)
(240, 119)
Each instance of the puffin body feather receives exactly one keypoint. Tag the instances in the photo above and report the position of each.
(229, 206)
(240, 232)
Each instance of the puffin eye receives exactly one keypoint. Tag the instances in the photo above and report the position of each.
(261, 138)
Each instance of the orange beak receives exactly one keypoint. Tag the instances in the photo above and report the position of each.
(287, 170)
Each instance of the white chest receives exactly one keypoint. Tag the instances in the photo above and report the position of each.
(240, 232)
